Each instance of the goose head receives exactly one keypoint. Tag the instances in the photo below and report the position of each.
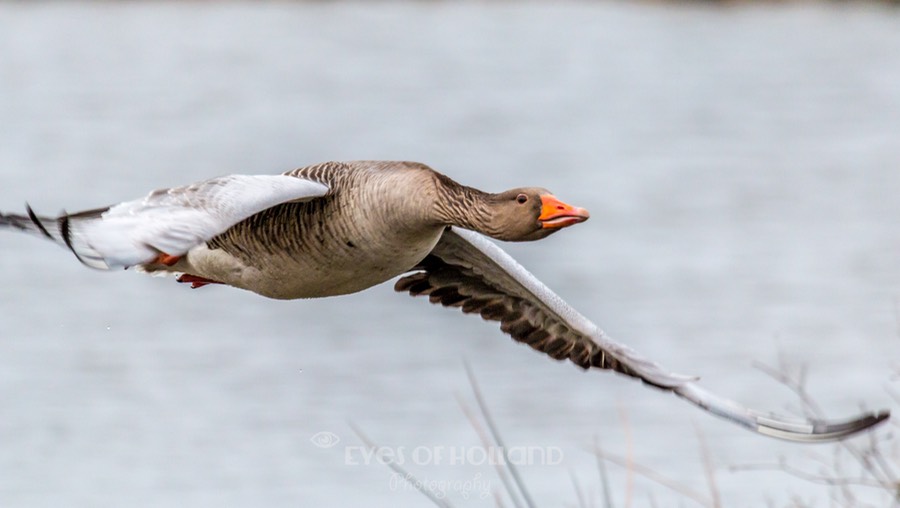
(530, 213)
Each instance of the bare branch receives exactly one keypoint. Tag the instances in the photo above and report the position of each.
(482, 405)
(654, 476)
(486, 442)
(424, 489)
(812, 409)
(629, 447)
(604, 479)
(582, 501)
(709, 470)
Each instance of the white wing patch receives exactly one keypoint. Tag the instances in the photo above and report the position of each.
(173, 221)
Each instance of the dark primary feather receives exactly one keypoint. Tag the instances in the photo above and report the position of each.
(521, 318)
(458, 274)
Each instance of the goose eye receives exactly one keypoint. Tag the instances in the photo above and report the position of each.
(521, 199)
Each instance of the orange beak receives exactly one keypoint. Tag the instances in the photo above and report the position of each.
(556, 214)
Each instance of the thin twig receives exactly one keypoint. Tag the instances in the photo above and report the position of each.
(656, 477)
(837, 468)
(604, 478)
(582, 502)
(513, 470)
(879, 458)
(486, 442)
(813, 409)
(629, 450)
(893, 394)
(498, 499)
(426, 490)
(709, 470)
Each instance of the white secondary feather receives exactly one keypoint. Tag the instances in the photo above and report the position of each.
(175, 220)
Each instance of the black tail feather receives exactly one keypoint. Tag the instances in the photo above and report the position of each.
(15, 221)
(37, 222)
(62, 229)
(32, 223)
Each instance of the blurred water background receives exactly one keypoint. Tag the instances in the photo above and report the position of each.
(741, 163)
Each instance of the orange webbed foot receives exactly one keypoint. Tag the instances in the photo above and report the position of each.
(195, 281)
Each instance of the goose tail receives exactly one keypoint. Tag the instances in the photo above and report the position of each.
(61, 230)
(31, 223)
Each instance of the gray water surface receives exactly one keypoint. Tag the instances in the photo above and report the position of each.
(741, 164)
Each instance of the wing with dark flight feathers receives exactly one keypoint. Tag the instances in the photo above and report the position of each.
(170, 221)
(468, 271)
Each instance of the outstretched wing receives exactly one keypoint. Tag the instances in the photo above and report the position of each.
(170, 221)
(467, 270)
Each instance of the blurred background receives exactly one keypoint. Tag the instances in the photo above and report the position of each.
(741, 163)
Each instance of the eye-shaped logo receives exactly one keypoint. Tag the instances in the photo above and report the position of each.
(325, 439)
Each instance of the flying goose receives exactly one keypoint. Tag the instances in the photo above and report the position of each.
(337, 228)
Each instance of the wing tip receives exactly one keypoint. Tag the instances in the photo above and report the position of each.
(820, 431)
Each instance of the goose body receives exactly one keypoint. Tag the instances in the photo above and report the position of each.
(372, 224)
(338, 228)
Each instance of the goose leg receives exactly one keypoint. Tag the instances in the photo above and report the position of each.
(166, 259)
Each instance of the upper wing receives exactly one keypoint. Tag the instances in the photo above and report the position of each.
(170, 221)
(469, 271)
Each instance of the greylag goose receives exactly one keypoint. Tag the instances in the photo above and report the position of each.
(338, 228)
